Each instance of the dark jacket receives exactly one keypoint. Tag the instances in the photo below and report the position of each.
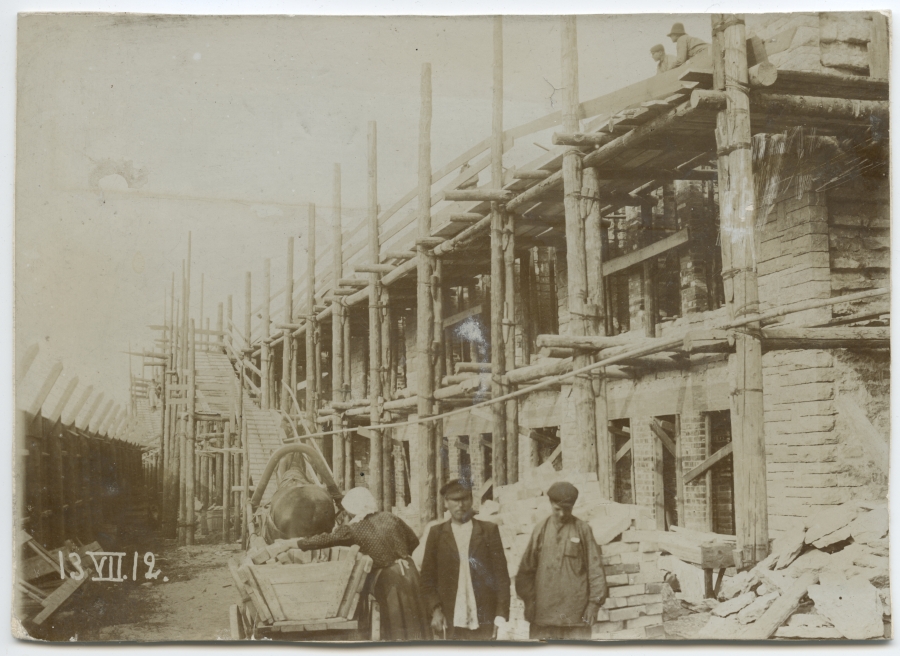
(490, 577)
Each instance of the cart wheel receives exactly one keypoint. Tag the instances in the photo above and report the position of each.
(237, 625)
(375, 615)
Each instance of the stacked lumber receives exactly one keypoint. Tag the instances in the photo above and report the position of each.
(633, 609)
(286, 589)
(826, 579)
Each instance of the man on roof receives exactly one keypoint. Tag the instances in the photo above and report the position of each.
(663, 61)
(687, 47)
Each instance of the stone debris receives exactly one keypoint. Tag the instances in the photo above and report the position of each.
(788, 546)
(755, 610)
(853, 607)
(733, 606)
(844, 549)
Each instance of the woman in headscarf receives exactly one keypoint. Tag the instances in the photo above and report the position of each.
(394, 580)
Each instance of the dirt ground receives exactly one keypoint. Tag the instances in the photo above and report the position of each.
(191, 605)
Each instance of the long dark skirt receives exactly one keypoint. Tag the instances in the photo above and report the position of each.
(401, 607)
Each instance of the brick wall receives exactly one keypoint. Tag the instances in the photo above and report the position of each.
(697, 260)
(793, 255)
(693, 453)
(859, 239)
(810, 464)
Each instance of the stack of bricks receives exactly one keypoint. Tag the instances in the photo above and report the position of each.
(633, 610)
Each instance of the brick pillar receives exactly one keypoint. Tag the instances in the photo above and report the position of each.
(693, 213)
(648, 459)
(453, 452)
(575, 456)
(693, 453)
(399, 476)
(793, 255)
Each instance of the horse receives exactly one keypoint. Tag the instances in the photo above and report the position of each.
(300, 508)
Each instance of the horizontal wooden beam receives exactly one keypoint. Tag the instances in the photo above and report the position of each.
(374, 268)
(537, 174)
(430, 242)
(581, 139)
(790, 338)
(642, 174)
(398, 255)
(473, 367)
(587, 342)
(353, 282)
(466, 217)
(712, 461)
(773, 104)
(636, 257)
(343, 291)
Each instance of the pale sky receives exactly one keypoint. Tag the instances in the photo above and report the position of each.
(231, 126)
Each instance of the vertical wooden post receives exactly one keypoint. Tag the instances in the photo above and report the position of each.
(594, 244)
(428, 509)
(227, 482)
(337, 332)
(509, 341)
(229, 325)
(204, 458)
(387, 393)
(244, 470)
(679, 472)
(312, 367)
(498, 350)
(220, 318)
(264, 355)
(738, 222)
(191, 433)
(376, 449)
(651, 310)
(200, 321)
(437, 359)
(580, 313)
(707, 439)
(286, 343)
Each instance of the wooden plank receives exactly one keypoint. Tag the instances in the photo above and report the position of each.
(663, 436)
(238, 582)
(621, 453)
(716, 555)
(710, 462)
(461, 316)
(780, 610)
(269, 594)
(59, 596)
(330, 624)
(653, 250)
(259, 601)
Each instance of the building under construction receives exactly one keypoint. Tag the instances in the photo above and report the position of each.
(682, 305)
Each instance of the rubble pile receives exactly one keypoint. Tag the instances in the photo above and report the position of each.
(633, 610)
(826, 579)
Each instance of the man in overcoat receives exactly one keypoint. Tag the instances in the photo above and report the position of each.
(465, 582)
(560, 578)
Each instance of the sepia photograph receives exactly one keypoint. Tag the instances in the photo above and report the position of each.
(415, 329)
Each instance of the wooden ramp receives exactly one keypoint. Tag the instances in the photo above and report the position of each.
(265, 437)
(215, 382)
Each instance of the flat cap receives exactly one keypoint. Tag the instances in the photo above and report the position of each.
(563, 493)
(457, 487)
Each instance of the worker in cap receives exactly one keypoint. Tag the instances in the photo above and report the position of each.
(465, 580)
(687, 47)
(560, 578)
(663, 61)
